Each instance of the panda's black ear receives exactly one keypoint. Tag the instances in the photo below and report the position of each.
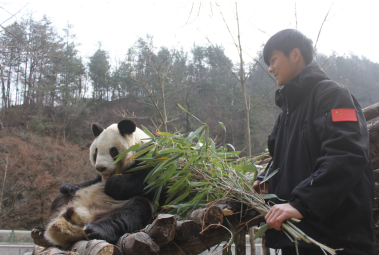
(96, 129)
(126, 127)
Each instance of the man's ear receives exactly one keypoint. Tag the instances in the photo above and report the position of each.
(296, 55)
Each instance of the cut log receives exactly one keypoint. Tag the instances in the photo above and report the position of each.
(162, 230)
(137, 244)
(95, 247)
(39, 250)
(210, 237)
(373, 130)
(371, 112)
(186, 230)
(207, 216)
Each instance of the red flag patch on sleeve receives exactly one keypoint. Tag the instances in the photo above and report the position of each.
(344, 115)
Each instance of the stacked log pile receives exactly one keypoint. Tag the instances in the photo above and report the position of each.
(168, 235)
(205, 227)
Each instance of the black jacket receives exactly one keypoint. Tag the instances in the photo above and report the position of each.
(325, 170)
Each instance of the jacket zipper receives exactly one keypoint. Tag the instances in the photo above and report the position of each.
(313, 178)
(281, 169)
(306, 150)
(326, 115)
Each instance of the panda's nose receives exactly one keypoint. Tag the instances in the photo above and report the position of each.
(101, 169)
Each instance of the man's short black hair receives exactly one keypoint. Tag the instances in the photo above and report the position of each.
(287, 40)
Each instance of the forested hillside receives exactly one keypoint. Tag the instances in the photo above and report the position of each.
(50, 95)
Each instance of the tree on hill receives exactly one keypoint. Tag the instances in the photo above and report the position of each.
(99, 67)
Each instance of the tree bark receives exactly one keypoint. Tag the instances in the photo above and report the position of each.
(207, 216)
(373, 130)
(162, 230)
(137, 243)
(95, 247)
(51, 251)
(371, 112)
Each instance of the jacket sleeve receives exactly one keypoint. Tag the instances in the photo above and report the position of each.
(344, 155)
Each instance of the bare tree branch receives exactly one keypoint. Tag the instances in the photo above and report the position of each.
(222, 15)
(319, 32)
(189, 14)
(124, 113)
(295, 15)
(13, 14)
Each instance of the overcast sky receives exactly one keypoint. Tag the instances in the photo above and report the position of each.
(351, 26)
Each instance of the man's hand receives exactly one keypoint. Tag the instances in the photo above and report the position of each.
(280, 213)
(260, 188)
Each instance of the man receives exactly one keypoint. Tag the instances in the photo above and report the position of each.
(320, 147)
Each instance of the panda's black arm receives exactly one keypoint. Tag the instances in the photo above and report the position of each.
(126, 186)
(69, 188)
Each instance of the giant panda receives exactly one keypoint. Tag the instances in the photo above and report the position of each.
(106, 207)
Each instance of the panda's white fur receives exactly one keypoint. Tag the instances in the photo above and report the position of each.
(111, 137)
(88, 201)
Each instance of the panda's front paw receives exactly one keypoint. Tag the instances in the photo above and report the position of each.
(38, 235)
(92, 231)
(95, 231)
(69, 188)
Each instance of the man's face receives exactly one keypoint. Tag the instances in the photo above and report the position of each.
(282, 67)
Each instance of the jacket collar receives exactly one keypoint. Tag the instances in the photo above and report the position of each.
(294, 91)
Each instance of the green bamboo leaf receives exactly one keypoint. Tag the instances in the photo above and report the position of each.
(135, 155)
(202, 136)
(183, 196)
(213, 146)
(193, 158)
(246, 168)
(141, 152)
(192, 135)
(164, 134)
(222, 125)
(181, 107)
(176, 185)
(148, 132)
(176, 206)
(169, 142)
(162, 141)
(154, 173)
(214, 174)
(197, 184)
(270, 196)
(261, 231)
(169, 173)
(231, 146)
(151, 186)
(122, 154)
(145, 159)
(149, 178)
(170, 150)
(241, 175)
(198, 145)
(171, 195)
(134, 169)
(228, 154)
(269, 176)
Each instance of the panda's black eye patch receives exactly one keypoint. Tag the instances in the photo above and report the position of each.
(113, 151)
(95, 155)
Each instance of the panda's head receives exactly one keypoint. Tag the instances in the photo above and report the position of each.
(110, 142)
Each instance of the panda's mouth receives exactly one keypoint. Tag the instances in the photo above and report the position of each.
(106, 176)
